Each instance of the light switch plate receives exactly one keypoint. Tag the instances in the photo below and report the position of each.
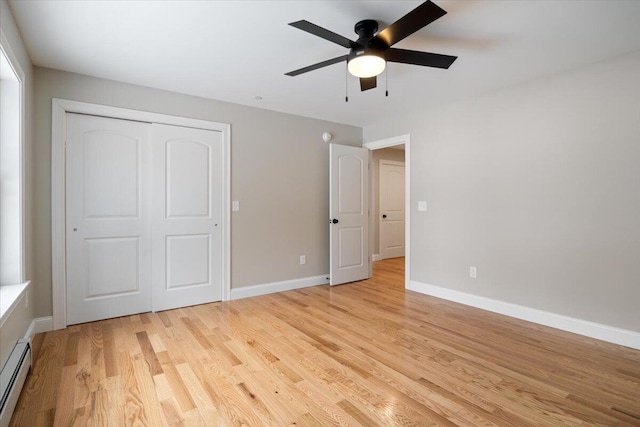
(235, 206)
(422, 206)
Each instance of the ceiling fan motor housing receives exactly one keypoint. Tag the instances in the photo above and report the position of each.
(366, 29)
(368, 43)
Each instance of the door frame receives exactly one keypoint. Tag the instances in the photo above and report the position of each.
(59, 109)
(390, 142)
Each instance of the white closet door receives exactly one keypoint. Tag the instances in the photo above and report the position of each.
(187, 215)
(108, 228)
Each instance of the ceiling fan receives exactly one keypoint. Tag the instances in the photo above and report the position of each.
(369, 54)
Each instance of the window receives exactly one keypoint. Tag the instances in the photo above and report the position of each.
(11, 136)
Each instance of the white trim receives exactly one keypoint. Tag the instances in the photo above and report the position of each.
(577, 326)
(10, 297)
(286, 285)
(5, 46)
(59, 108)
(390, 142)
(376, 257)
(58, 203)
(389, 162)
(39, 325)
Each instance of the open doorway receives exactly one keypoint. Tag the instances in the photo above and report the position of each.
(389, 193)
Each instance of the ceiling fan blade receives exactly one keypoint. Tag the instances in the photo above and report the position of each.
(367, 83)
(419, 58)
(318, 65)
(324, 33)
(418, 18)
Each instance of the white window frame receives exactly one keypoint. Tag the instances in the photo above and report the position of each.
(12, 292)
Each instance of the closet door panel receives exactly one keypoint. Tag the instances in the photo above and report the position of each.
(187, 215)
(108, 226)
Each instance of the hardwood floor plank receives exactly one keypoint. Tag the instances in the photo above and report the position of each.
(180, 391)
(172, 413)
(99, 407)
(333, 414)
(199, 331)
(149, 354)
(46, 418)
(145, 388)
(362, 354)
(83, 381)
(360, 416)
(71, 352)
(134, 412)
(81, 417)
(64, 407)
(202, 400)
(53, 372)
(109, 351)
(308, 420)
(113, 386)
(275, 403)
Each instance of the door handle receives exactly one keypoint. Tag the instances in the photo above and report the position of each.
(384, 215)
(333, 221)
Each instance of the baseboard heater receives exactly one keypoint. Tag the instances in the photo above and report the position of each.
(12, 378)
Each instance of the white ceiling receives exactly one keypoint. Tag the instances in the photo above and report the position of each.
(239, 50)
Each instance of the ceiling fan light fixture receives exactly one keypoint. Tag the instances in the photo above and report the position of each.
(367, 64)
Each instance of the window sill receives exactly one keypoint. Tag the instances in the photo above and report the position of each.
(10, 296)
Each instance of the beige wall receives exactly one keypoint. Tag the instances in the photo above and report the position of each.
(537, 186)
(279, 173)
(17, 324)
(377, 155)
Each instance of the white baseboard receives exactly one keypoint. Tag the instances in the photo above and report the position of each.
(376, 257)
(39, 325)
(578, 326)
(287, 285)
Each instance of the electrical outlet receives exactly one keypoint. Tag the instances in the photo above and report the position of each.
(473, 272)
(303, 259)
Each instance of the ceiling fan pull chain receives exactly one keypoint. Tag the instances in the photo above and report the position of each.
(386, 78)
(346, 83)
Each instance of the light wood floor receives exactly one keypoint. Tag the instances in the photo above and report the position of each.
(367, 353)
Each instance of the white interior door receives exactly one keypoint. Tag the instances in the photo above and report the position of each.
(391, 199)
(108, 233)
(349, 213)
(187, 215)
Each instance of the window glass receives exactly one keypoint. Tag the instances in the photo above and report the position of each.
(10, 174)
